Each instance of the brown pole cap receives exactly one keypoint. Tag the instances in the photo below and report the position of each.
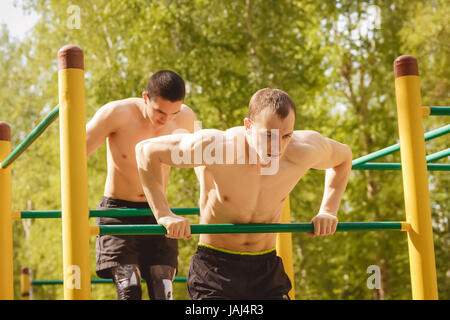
(406, 66)
(70, 56)
(25, 270)
(5, 131)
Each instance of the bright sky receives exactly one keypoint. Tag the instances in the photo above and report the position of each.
(17, 21)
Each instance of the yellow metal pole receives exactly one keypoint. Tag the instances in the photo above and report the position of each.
(6, 237)
(74, 199)
(25, 284)
(415, 182)
(284, 247)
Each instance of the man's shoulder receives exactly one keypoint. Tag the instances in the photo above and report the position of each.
(310, 139)
(306, 136)
(186, 118)
(116, 114)
(235, 131)
(303, 145)
(208, 133)
(121, 107)
(125, 105)
(186, 110)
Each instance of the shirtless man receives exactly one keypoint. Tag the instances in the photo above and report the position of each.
(245, 266)
(123, 124)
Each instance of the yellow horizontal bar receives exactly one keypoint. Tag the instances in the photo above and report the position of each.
(406, 226)
(94, 231)
(16, 215)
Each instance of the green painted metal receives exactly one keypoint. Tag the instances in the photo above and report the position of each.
(398, 166)
(438, 155)
(38, 214)
(94, 280)
(246, 228)
(391, 149)
(48, 120)
(375, 155)
(46, 282)
(439, 111)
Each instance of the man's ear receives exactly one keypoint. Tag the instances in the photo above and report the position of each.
(145, 96)
(247, 124)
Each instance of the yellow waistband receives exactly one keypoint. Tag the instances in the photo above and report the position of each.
(237, 252)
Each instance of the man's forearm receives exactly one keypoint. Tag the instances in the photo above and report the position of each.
(335, 183)
(151, 176)
(157, 200)
(150, 168)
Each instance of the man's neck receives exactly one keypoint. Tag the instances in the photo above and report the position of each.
(144, 112)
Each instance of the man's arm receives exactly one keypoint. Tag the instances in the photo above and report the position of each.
(106, 120)
(175, 150)
(336, 159)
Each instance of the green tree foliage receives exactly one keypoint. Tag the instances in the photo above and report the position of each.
(335, 58)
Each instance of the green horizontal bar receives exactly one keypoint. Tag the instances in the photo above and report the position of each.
(245, 228)
(94, 280)
(46, 282)
(106, 213)
(398, 166)
(439, 111)
(40, 214)
(48, 120)
(391, 149)
(438, 155)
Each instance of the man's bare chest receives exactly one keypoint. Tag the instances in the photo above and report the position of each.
(124, 141)
(245, 186)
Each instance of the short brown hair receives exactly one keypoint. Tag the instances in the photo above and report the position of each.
(167, 85)
(277, 100)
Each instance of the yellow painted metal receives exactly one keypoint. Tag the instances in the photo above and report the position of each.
(16, 215)
(426, 111)
(284, 247)
(405, 226)
(415, 185)
(25, 284)
(75, 212)
(95, 230)
(6, 240)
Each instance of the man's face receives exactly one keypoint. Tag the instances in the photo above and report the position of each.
(270, 134)
(160, 110)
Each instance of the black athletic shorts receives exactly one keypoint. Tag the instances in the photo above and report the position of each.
(217, 275)
(145, 250)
